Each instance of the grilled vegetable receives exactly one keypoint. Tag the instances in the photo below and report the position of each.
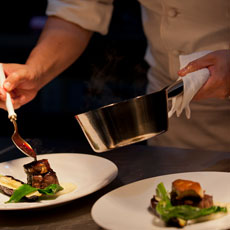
(9, 184)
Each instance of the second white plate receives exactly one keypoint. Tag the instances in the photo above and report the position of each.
(128, 207)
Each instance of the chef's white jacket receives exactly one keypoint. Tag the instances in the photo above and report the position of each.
(172, 27)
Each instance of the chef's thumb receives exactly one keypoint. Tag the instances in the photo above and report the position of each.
(12, 81)
(200, 63)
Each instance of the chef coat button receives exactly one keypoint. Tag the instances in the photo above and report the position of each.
(176, 52)
(172, 12)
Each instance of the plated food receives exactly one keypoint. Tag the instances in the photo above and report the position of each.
(129, 206)
(79, 174)
(41, 180)
(186, 203)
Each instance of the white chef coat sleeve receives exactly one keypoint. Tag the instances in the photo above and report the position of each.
(93, 15)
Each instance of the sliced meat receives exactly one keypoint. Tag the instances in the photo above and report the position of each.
(186, 188)
(186, 200)
(40, 174)
(206, 202)
(185, 192)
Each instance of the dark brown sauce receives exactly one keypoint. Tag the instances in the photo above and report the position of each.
(28, 150)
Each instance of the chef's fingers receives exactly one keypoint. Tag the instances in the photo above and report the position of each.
(14, 79)
(2, 94)
(200, 63)
(17, 103)
(203, 93)
(214, 87)
(209, 91)
(21, 100)
(2, 105)
(17, 99)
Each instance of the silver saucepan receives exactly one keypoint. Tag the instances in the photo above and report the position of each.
(129, 121)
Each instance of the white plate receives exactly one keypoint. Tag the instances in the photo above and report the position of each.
(128, 207)
(87, 172)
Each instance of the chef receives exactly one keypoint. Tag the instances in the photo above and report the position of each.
(172, 28)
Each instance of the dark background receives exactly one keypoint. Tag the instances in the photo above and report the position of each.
(111, 69)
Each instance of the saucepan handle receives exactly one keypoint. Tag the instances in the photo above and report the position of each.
(175, 89)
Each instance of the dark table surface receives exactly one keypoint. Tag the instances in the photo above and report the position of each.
(135, 162)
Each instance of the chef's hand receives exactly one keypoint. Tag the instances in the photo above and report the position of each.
(218, 84)
(21, 83)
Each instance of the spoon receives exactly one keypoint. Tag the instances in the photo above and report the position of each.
(19, 142)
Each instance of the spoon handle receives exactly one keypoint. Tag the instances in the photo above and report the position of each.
(9, 104)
